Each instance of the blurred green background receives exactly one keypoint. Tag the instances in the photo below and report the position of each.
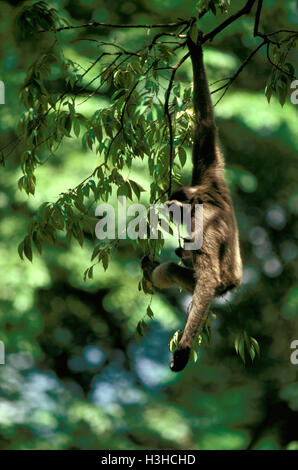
(75, 377)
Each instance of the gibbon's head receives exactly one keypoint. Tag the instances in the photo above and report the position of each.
(182, 196)
(183, 199)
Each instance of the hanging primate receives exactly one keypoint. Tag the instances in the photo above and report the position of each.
(216, 267)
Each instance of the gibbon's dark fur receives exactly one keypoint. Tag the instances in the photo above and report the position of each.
(216, 267)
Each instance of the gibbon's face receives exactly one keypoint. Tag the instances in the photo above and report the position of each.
(181, 196)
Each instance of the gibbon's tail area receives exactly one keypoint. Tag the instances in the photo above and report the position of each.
(205, 152)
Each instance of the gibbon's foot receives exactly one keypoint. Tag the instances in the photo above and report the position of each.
(180, 359)
(148, 267)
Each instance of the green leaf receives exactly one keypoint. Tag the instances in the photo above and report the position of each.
(80, 235)
(172, 346)
(282, 93)
(37, 241)
(21, 250)
(122, 190)
(194, 32)
(290, 68)
(57, 218)
(28, 247)
(68, 235)
(182, 156)
(31, 226)
(140, 328)
(21, 183)
(68, 124)
(252, 352)
(256, 345)
(212, 8)
(174, 341)
(105, 260)
(137, 188)
(96, 251)
(237, 341)
(128, 188)
(268, 92)
(246, 339)
(149, 312)
(193, 355)
(241, 350)
(76, 127)
(85, 274)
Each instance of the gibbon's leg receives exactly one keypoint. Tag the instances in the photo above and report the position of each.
(168, 274)
(208, 276)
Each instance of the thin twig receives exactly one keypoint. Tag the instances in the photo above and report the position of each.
(157, 36)
(95, 24)
(282, 31)
(257, 18)
(220, 80)
(245, 10)
(98, 76)
(233, 78)
(105, 43)
(168, 115)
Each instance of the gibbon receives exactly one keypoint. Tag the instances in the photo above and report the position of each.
(216, 267)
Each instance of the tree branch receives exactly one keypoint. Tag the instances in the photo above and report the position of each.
(95, 24)
(244, 11)
(105, 43)
(257, 18)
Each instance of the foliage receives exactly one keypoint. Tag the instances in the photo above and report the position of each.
(212, 5)
(203, 338)
(244, 342)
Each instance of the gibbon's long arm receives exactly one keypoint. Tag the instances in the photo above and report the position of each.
(205, 145)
